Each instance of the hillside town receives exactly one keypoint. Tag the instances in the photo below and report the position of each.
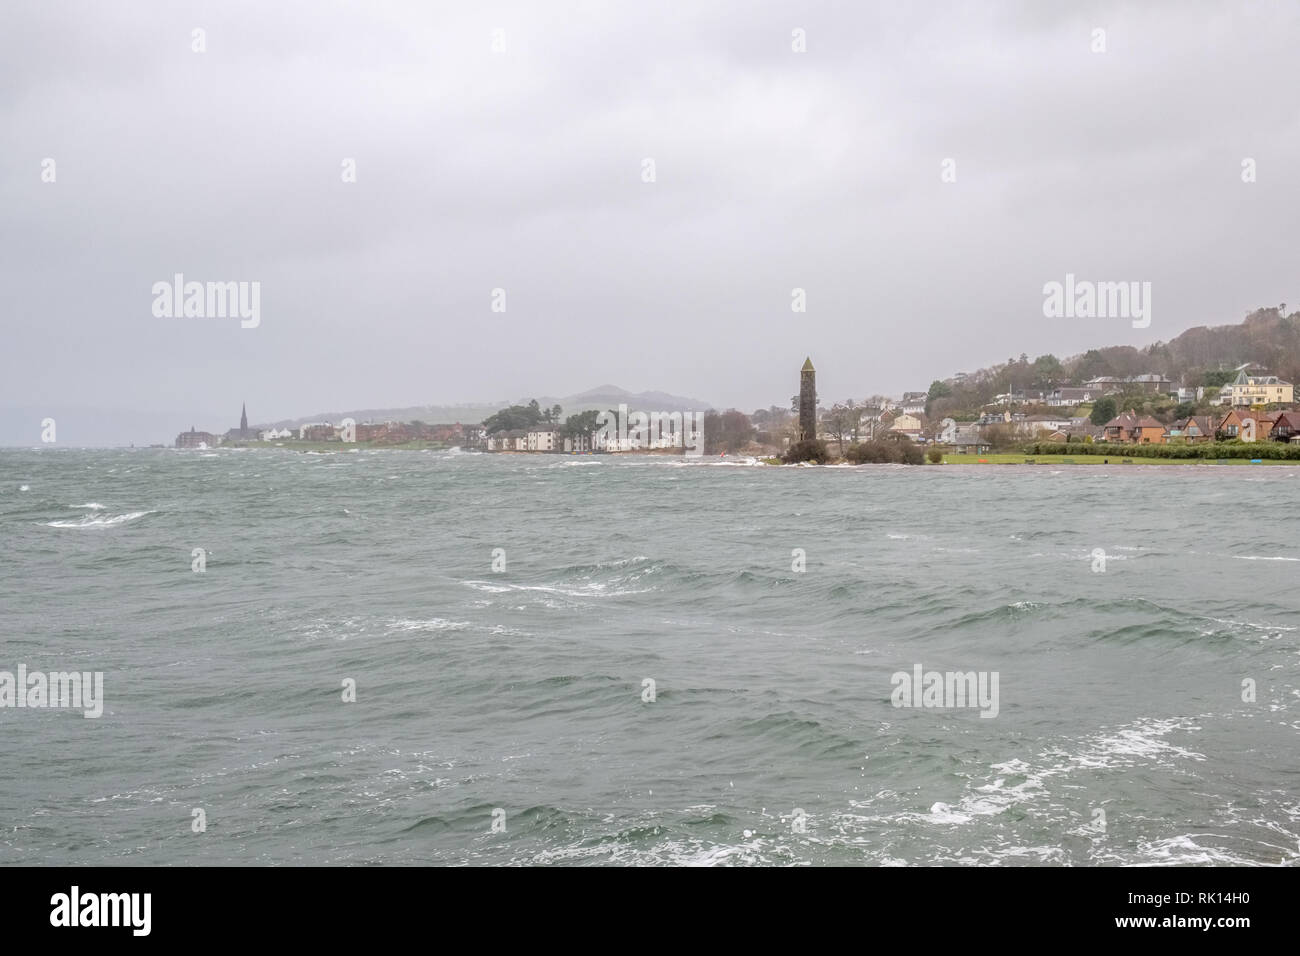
(1254, 406)
(1145, 409)
(1208, 385)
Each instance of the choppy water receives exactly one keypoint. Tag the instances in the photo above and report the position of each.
(1120, 691)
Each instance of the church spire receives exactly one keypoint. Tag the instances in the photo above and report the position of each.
(243, 419)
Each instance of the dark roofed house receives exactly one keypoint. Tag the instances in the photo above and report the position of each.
(1201, 428)
(1197, 428)
(1078, 432)
(1129, 427)
(967, 440)
(1119, 428)
(1286, 428)
(1150, 431)
(1151, 383)
(1106, 384)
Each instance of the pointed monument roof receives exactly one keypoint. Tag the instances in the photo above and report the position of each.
(807, 365)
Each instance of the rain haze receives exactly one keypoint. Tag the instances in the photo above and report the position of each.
(645, 183)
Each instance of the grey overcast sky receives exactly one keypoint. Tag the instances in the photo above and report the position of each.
(522, 169)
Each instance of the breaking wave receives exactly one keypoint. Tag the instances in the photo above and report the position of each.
(99, 521)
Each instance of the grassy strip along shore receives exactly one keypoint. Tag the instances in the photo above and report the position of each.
(1211, 451)
(901, 451)
(1020, 458)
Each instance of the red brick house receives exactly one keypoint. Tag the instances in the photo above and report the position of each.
(1129, 427)
(1193, 430)
(1287, 427)
(1231, 425)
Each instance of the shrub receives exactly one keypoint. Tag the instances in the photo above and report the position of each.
(874, 452)
(898, 450)
(813, 449)
(935, 455)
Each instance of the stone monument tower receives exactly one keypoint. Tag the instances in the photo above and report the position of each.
(807, 401)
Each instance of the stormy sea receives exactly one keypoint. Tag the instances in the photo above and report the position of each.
(402, 657)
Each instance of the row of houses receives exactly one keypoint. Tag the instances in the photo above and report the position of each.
(539, 438)
(381, 433)
(1127, 428)
(1066, 396)
(551, 438)
(1243, 390)
(974, 437)
(1240, 423)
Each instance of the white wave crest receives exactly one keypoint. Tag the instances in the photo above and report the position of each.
(431, 624)
(99, 521)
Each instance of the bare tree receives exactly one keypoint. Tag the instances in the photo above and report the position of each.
(838, 420)
(855, 412)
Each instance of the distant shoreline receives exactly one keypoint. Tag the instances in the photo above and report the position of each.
(991, 458)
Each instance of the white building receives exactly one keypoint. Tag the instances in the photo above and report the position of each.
(914, 403)
(303, 429)
(1034, 424)
(542, 438)
(1067, 396)
(514, 440)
